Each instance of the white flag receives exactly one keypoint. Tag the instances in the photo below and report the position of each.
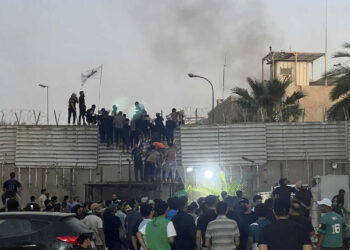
(95, 73)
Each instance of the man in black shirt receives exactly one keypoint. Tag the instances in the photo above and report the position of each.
(338, 202)
(283, 191)
(10, 188)
(283, 234)
(82, 107)
(137, 153)
(231, 213)
(304, 197)
(185, 227)
(295, 214)
(90, 115)
(203, 220)
(32, 206)
(247, 217)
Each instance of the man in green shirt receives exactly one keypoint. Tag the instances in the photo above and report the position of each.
(181, 192)
(332, 226)
(159, 232)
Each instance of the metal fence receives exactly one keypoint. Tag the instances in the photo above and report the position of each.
(236, 144)
(229, 145)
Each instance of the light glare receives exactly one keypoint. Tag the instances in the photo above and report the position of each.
(189, 170)
(208, 174)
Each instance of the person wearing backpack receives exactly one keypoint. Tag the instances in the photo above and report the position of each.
(10, 187)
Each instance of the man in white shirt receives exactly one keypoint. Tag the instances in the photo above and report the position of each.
(42, 199)
(147, 215)
(160, 233)
(95, 224)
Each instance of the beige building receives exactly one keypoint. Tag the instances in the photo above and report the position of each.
(299, 67)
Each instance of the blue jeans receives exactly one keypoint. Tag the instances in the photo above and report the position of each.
(171, 169)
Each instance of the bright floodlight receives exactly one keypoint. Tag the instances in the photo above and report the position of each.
(189, 170)
(42, 85)
(208, 174)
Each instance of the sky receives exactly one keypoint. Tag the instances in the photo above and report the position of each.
(147, 47)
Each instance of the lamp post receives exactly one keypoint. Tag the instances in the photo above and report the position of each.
(212, 94)
(47, 101)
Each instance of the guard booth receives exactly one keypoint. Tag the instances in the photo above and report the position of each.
(293, 65)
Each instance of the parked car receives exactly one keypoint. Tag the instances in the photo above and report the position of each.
(39, 230)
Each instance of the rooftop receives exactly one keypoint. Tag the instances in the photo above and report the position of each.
(292, 56)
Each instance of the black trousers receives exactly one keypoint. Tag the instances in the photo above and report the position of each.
(70, 113)
(82, 114)
(149, 171)
(138, 168)
(109, 136)
(170, 136)
(7, 195)
(118, 135)
(126, 141)
(134, 138)
(114, 246)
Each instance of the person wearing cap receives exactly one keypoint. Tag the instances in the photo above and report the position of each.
(331, 228)
(283, 234)
(283, 191)
(204, 219)
(95, 224)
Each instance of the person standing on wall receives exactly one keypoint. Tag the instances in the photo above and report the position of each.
(72, 109)
(82, 108)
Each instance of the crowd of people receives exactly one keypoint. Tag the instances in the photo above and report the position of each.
(116, 127)
(281, 222)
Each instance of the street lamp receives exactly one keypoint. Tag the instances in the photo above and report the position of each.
(212, 94)
(47, 101)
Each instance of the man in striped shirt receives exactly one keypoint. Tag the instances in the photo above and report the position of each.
(222, 233)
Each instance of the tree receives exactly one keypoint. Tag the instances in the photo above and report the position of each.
(340, 93)
(268, 101)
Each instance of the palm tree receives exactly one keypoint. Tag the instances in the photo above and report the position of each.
(268, 101)
(340, 93)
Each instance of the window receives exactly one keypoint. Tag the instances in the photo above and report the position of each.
(286, 71)
(14, 227)
(38, 224)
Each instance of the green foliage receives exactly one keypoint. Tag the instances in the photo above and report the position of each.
(341, 92)
(229, 186)
(268, 101)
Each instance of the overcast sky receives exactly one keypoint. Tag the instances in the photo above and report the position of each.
(147, 47)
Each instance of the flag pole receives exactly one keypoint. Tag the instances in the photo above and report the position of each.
(99, 94)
